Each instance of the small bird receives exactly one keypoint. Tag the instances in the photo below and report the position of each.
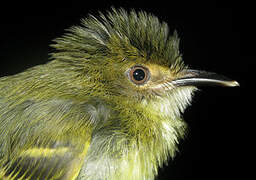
(107, 106)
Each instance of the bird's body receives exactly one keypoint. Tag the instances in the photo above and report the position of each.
(107, 106)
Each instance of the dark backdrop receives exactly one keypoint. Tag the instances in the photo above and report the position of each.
(214, 36)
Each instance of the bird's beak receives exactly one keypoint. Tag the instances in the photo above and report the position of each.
(202, 78)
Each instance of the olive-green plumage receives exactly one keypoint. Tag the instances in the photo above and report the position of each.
(107, 105)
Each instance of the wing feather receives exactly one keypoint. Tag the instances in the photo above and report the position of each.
(46, 163)
(43, 139)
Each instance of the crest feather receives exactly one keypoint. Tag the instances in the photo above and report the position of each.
(119, 32)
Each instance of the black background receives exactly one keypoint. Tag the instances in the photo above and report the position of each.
(215, 36)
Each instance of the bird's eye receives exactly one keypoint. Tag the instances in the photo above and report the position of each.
(139, 75)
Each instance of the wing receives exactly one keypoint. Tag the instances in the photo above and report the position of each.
(46, 163)
(43, 140)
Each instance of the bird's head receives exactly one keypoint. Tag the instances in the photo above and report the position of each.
(132, 57)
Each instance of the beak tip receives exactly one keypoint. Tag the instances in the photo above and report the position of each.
(232, 84)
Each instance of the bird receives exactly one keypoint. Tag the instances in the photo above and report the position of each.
(107, 105)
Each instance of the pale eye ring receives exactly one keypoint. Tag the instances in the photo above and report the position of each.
(138, 74)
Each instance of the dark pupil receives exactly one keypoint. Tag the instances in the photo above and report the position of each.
(138, 74)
